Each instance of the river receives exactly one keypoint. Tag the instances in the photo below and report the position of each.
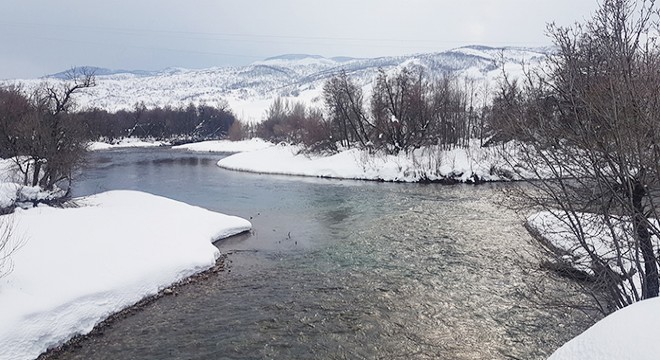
(339, 270)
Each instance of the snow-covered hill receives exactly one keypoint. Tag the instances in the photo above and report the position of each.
(250, 89)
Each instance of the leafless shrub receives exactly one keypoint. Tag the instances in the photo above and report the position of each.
(298, 124)
(9, 243)
(38, 127)
(589, 135)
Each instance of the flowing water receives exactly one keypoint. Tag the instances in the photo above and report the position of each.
(339, 270)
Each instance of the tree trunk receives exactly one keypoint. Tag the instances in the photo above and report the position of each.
(35, 173)
(650, 285)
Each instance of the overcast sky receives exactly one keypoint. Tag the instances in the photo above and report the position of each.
(39, 37)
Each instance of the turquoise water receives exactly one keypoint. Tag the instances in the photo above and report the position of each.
(339, 269)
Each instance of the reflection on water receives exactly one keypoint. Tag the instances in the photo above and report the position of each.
(340, 270)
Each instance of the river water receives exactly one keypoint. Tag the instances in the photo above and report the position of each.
(339, 270)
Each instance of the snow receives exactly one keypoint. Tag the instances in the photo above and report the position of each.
(8, 183)
(124, 143)
(12, 191)
(8, 194)
(249, 90)
(423, 164)
(226, 146)
(77, 266)
(9, 171)
(554, 228)
(630, 333)
(508, 54)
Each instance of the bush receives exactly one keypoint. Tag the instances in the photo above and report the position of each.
(296, 123)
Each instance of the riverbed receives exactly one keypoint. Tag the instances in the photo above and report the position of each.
(340, 269)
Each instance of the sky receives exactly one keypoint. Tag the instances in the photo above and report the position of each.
(40, 37)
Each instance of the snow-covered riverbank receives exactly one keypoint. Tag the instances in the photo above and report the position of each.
(474, 164)
(628, 333)
(220, 146)
(226, 146)
(125, 143)
(469, 165)
(74, 267)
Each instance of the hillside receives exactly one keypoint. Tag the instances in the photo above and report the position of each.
(250, 89)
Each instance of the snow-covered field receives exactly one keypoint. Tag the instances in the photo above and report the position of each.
(74, 267)
(630, 333)
(464, 165)
(226, 146)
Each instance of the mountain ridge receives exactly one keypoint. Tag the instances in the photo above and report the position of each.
(101, 71)
(250, 89)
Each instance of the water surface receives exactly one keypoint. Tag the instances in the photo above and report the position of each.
(339, 269)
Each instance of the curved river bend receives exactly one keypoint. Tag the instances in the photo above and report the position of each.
(339, 270)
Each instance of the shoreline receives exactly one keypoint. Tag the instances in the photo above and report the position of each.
(424, 165)
(98, 330)
(471, 165)
(424, 181)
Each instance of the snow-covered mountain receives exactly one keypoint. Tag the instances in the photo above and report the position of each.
(250, 89)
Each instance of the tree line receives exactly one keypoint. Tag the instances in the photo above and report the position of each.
(47, 139)
(182, 124)
(407, 109)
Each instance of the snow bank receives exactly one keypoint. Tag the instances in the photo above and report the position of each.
(554, 227)
(77, 266)
(16, 194)
(226, 146)
(9, 171)
(434, 164)
(8, 194)
(630, 333)
(124, 143)
(12, 191)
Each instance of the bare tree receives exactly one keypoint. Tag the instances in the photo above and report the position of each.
(38, 132)
(402, 109)
(345, 103)
(16, 113)
(589, 132)
(451, 113)
(408, 110)
(273, 127)
(9, 243)
(299, 124)
(59, 141)
(237, 131)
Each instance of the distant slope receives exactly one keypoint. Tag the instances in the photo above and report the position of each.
(250, 89)
(65, 75)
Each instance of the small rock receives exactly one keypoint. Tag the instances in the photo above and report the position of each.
(168, 291)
